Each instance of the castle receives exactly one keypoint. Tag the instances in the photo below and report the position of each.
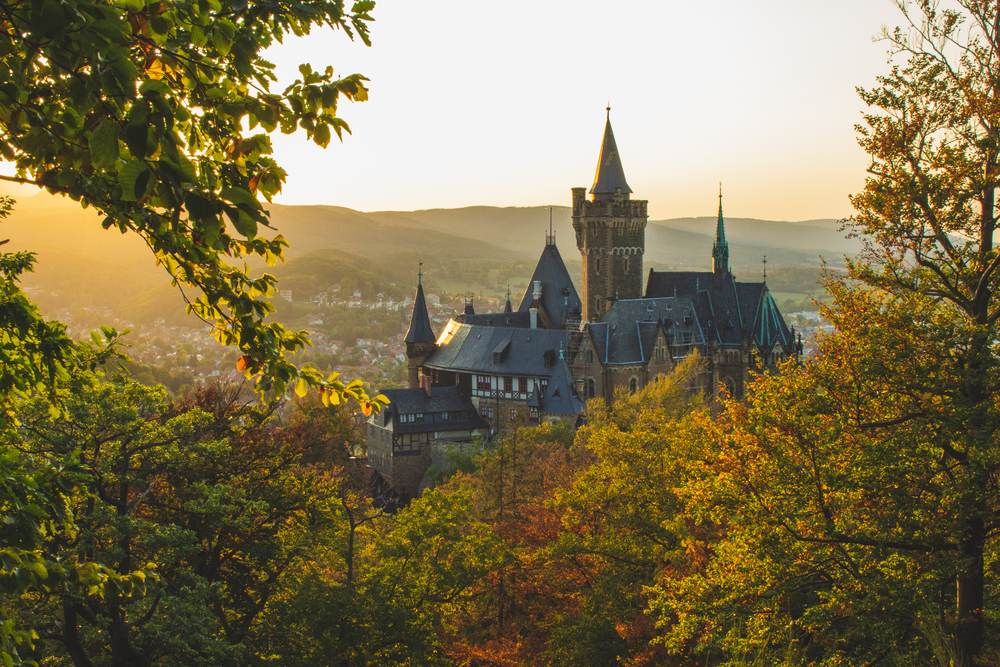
(486, 373)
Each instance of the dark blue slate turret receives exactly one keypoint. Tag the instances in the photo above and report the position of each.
(420, 330)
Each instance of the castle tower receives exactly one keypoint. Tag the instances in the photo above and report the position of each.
(720, 249)
(610, 233)
(420, 338)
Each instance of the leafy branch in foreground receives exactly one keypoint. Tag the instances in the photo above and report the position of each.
(147, 111)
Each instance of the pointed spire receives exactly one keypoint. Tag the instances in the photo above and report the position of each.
(720, 249)
(420, 330)
(508, 308)
(610, 175)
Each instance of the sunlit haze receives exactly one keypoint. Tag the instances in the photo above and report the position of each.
(503, 104)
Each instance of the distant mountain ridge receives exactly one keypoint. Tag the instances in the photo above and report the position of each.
(472, 248)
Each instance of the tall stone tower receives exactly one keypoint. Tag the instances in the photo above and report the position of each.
(610, 233)
(420, 339)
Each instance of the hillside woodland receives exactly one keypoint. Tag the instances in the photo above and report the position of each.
(846, 513)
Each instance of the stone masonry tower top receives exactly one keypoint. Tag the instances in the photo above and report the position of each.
(610, 233)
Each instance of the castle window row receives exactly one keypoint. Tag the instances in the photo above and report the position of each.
(434, 417)
(505, 386)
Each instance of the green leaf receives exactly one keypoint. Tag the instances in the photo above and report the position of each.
(243, 222)
(104, 143)
(322, 135)
(133, 177)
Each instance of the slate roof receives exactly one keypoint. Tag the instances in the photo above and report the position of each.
(500, 350)
(559, 397)
(504, 319)
(730, 312)
(627, 334)
(610, 175)
(442, 399)
(768, 326)
(559, 297)
(420, 330)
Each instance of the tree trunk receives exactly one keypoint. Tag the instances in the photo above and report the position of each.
(969, 596)
(969, 630)
(71, 635)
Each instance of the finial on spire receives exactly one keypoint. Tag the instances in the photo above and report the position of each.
(550, 238)
(764, 262)
(420, 273)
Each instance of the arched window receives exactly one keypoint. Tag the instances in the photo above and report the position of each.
(633, 385)
(591, 389)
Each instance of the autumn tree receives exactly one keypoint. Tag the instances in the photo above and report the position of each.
(929, 215)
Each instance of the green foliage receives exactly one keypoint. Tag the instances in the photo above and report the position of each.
(381, 596)
(207, 503)
(138, 110)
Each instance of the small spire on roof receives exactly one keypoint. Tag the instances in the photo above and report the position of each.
(420, 330)
(720, 249)
(508, 307)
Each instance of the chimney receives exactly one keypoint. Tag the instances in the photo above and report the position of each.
(533, 317)
(425, 384)
(536, 290)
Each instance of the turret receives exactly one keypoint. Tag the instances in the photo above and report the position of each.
(420, 338)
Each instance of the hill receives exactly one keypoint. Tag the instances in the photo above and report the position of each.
(475, 249)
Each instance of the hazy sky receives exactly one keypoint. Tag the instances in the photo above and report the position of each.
(476, 102)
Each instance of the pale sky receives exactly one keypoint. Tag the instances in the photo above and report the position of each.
(476, 102)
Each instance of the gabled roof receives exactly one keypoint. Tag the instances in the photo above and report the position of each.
(627, 335)
(768, 326)
(420, 330)
(471, 348)
(559, 297)
(610, 175)
(441, 400)
(559, 397)
(731, 312)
